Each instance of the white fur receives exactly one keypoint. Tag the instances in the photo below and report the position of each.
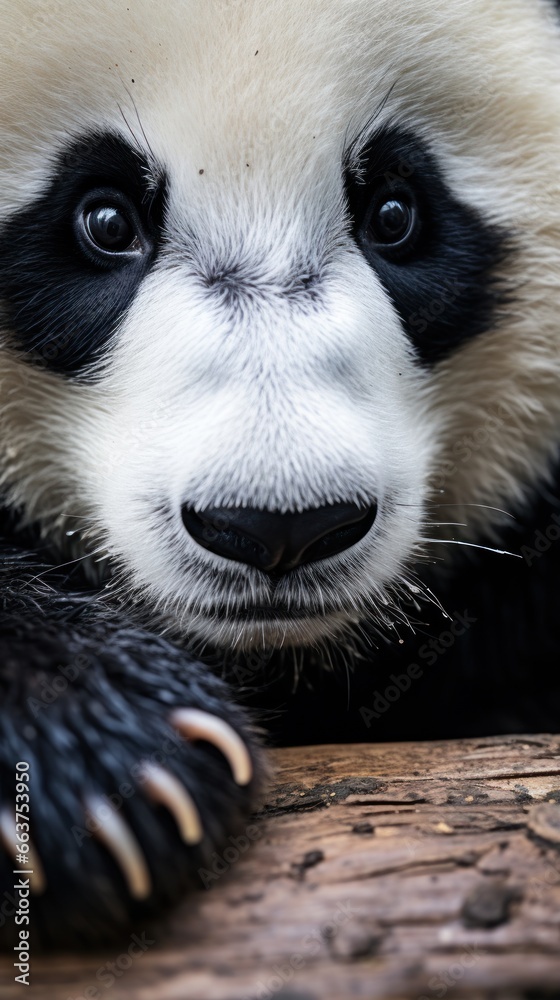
(273, 405)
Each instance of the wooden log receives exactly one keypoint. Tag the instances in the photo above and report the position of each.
(391, 871)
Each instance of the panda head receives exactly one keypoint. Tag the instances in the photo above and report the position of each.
(274, 278)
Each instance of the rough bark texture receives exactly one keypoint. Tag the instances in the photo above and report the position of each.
(389, 871)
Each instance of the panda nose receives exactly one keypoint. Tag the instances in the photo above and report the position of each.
(277, 543)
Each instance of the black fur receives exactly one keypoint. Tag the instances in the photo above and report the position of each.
(443, 284)
(62, 305)
(85, 699)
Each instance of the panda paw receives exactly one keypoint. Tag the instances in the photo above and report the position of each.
(139, 767)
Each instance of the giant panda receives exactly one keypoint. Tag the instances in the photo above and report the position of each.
(279, 412)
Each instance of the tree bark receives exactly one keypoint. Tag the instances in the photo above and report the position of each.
(388, 871)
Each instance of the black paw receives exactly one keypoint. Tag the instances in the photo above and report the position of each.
(140, 767)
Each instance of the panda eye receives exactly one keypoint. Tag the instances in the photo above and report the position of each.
(391, 222)
(108, 228)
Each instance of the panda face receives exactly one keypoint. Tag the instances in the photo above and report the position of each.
(259, 266)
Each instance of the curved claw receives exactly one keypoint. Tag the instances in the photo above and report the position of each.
(117, 837)
(9, 838)
(165, 789)
(197, 725)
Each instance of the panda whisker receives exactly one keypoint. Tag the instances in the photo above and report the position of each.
(445, 524)
(58, 566)
(472, 545)
(431, 504)
(481, 506)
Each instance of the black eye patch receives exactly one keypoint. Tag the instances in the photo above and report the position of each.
(72, 261)
(436, 257)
